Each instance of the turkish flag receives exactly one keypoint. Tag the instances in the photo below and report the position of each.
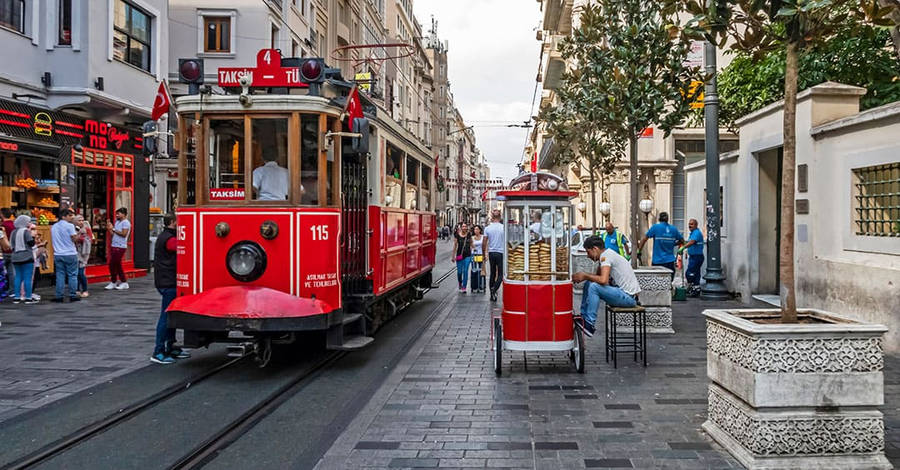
(354, 107)
(162, 102)
(534, 163)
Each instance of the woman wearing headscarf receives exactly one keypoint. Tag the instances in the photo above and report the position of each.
(22, 241)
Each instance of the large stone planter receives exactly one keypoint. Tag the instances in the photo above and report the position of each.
(656, 298)
(798, 396)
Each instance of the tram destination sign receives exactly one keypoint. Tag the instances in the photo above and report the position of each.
(267, 73)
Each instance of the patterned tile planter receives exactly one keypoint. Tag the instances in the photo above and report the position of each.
(656, 297)
(798, 396)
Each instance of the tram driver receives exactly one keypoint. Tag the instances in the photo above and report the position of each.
(270, 181)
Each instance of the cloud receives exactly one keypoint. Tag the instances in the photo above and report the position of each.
(493, 62)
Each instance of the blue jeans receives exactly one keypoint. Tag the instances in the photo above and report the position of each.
(592, 295)
(66, 267)
(462, 271)
(24, 273)
(165, 337)
(10, 275)
(82, 279)
(695, 262)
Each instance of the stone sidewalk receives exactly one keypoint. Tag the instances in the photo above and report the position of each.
(443, 407)
(49, 351)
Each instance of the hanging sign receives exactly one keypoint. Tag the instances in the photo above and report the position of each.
(226, 194)
(268, 73)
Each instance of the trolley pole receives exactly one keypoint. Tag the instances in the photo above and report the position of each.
(715, 279)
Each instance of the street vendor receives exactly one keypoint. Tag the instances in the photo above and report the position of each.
(614, 282)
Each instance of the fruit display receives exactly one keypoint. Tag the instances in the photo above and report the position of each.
(43, 216)
(47, 202)
(26, 183)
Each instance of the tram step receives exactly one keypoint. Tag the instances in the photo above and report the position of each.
(350, 318)
(353, 342)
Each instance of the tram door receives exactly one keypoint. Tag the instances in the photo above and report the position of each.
(354, 210)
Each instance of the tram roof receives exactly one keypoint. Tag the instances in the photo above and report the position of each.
(261, 103)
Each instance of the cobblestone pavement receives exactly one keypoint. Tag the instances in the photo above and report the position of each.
(444, 407)
(49, 351)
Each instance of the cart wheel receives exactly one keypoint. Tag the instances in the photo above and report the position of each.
(578, 351)
(498, 346)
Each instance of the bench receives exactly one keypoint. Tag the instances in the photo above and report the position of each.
(634, 341)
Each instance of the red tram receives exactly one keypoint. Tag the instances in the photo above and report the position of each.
(290, 222)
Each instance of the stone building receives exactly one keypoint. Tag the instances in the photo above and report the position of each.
(847, 227)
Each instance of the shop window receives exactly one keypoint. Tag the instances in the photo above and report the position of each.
(273, 38)
(426, 189)
(309, 159)
(392, 183)
(218, 34)
(270, 176)
(131, 35)
(225, 152)
(12, 15)
(876, 205)
(65, 23)
(412, 180)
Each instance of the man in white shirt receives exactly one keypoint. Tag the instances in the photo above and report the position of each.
(65, 259)
(117, 248)
(271, 181)
(495, 241)
(614, 283)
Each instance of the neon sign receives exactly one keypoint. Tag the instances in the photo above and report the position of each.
(9, 146)
(101, 135)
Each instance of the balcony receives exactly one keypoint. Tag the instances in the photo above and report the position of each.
(558, 16)
(554, 65)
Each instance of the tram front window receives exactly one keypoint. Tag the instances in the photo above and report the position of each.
(225, 147)
(271, 179)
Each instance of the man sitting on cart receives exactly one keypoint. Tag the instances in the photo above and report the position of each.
(614, 283)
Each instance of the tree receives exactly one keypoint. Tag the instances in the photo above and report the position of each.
(856, 55)
(757, 26)
(630, 73)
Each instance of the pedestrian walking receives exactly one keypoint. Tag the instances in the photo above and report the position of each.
(65, 258)
(665, 237)
(164, 278)
(478, 270)
(495, 241)
(22, 258)
(616, 241)
(462, 255)
(8, 222)
(83, 247)
(694, 247)
(614, 282)
(4, 279)
(120, 231)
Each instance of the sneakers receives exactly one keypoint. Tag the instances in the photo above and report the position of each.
(16, 300)
(588, 329)
(85, 294)
(75, 299)
(122, 286)
(161, 358)
(31, 301)
(110, 286)
(493, 296)
(35, 297)
(179, 353)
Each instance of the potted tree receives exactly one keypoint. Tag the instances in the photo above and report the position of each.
(791, 388)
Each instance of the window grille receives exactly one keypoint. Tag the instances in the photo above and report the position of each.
(877, 205)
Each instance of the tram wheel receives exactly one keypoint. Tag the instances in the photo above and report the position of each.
(498, 346)
(578, 350)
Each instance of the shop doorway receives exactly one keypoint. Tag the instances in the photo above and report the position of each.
(769, 199)
(93, 202)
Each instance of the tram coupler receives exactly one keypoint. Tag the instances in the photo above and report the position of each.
(241, 349)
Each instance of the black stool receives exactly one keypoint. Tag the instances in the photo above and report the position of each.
(635, 342)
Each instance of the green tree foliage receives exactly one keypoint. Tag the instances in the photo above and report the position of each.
(627, 74)
(855, 56)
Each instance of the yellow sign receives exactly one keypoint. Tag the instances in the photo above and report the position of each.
(698, 103)
(43, 124)
(365, 81)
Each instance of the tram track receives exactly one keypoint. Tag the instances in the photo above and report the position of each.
(219, 440)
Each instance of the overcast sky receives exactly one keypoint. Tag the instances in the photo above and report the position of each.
(493, 61)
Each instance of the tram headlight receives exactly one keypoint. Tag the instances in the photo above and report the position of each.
(246, 261)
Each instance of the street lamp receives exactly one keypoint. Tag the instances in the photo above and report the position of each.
(715, 279)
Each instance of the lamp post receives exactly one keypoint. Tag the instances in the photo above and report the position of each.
(715, 279)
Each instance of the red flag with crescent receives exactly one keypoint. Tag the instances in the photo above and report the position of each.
(354, 107)
(162, 102)
(534, 163)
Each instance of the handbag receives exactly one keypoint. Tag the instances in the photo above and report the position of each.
(459, 257)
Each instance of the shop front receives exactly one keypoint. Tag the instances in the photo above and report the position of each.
(52, 160)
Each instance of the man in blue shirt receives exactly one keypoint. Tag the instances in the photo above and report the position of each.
(616, 241)
(694, 248)
(665, 237)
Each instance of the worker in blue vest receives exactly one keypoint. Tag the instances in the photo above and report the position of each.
(615, 241)
(665, 237)
(694, 247)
